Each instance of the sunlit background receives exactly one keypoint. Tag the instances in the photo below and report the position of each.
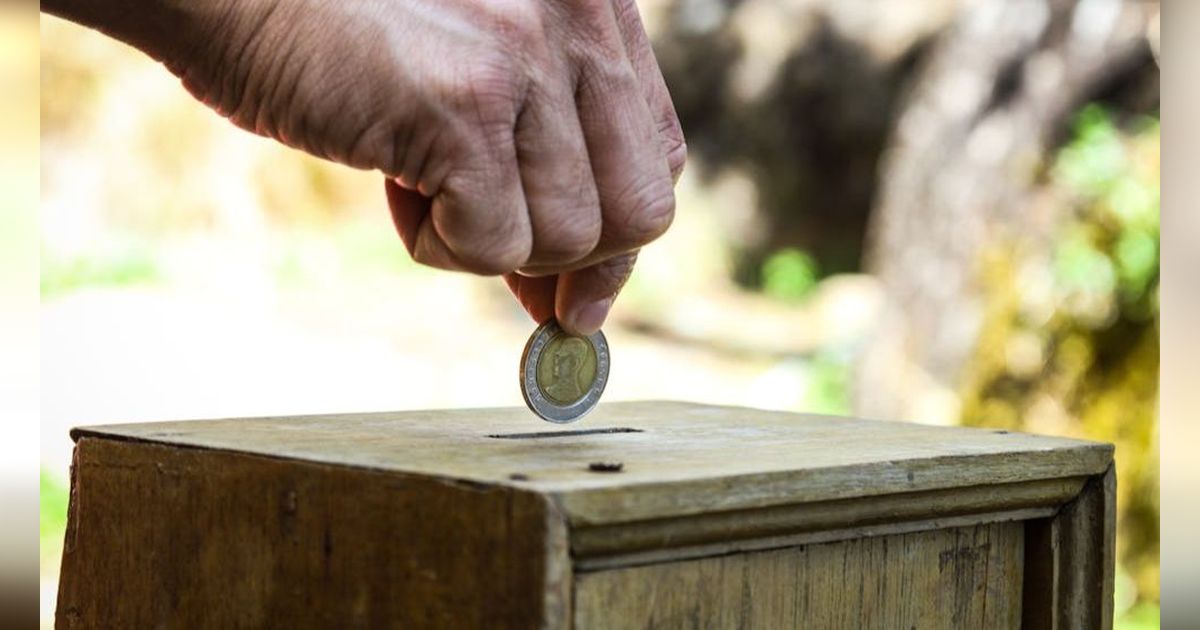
(944, 212)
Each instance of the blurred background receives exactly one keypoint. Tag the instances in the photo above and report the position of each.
(937, 211)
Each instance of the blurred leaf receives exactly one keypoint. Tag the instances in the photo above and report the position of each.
(122, 268)
(1143, 616)
(1079, 266)
(789, 274)
(53, 507)
(1135, 203)
(1137, 260)
(1096, 156)
(828, 390)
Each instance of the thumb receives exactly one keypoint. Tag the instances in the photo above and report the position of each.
(584, 297)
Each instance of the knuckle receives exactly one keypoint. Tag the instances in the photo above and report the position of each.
(519, 23)
(626, 13)
(594, 16)
(487, 90)
(497, 255)
(491, 90)
(677, 158)
(371, 148)
(676, 146)
(608, 77)
(570, 238)
(648, 207)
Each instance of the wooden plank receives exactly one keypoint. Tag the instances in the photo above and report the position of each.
(174, 537)
(894, 510)
(1038, 591)
(957, 578)
(676, 456)
(1071, 561)
(672, 554)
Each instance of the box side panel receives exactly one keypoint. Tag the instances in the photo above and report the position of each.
(1070, 561)
(162, 536)
(968, 577)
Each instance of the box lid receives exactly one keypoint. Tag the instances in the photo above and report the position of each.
(674, 458)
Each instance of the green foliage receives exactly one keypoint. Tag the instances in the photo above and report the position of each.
(53, 510)
(1114, 243)
(1095, 157)
(790, 274)
(124, 267)
(1081, 266)
(1088, 309)
(1143, 616)
(828, 387)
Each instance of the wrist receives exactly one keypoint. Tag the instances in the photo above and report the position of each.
(173, 32)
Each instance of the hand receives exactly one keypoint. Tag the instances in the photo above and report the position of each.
(530, 138)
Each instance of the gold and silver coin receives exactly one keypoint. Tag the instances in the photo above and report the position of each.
(562, 375)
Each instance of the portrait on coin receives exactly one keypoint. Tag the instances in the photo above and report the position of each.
(566, 369)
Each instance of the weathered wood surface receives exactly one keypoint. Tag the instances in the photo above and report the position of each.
(1071, 561)
(955, 578)
(488, 518)
(683, 458)
(164, 537)
(720, 533)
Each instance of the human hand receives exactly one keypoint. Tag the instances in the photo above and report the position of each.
(530, 138)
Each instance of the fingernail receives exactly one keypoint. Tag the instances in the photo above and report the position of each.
(590, 317)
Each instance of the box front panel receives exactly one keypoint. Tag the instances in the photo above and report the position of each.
(968, 577)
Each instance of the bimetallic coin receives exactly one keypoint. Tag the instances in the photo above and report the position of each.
(562, 376)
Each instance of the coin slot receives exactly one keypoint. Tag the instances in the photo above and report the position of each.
(539, 435)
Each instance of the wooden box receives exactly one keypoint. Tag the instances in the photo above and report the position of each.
(644, 515)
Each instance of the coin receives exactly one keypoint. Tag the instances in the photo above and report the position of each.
(562, 375)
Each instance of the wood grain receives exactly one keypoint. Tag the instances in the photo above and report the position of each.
(1071, 561)
(169, 537)
(684, 459)
(890, 512)
(954, 578)
(720, 517)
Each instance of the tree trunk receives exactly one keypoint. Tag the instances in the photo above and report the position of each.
(963, 171)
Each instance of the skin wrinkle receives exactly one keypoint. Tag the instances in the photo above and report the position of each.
(651, 210)
(395, 168)
(241, 93)
(618, 269)
(417, 154)
(296, 117)
(538, 133)
(500, 244)
(622, 229)
(433, 243)
(654, 86)
(564, 207)
(277, 67)
(428, 183)
(599, 41)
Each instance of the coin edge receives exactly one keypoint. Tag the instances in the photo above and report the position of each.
(542, 406)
